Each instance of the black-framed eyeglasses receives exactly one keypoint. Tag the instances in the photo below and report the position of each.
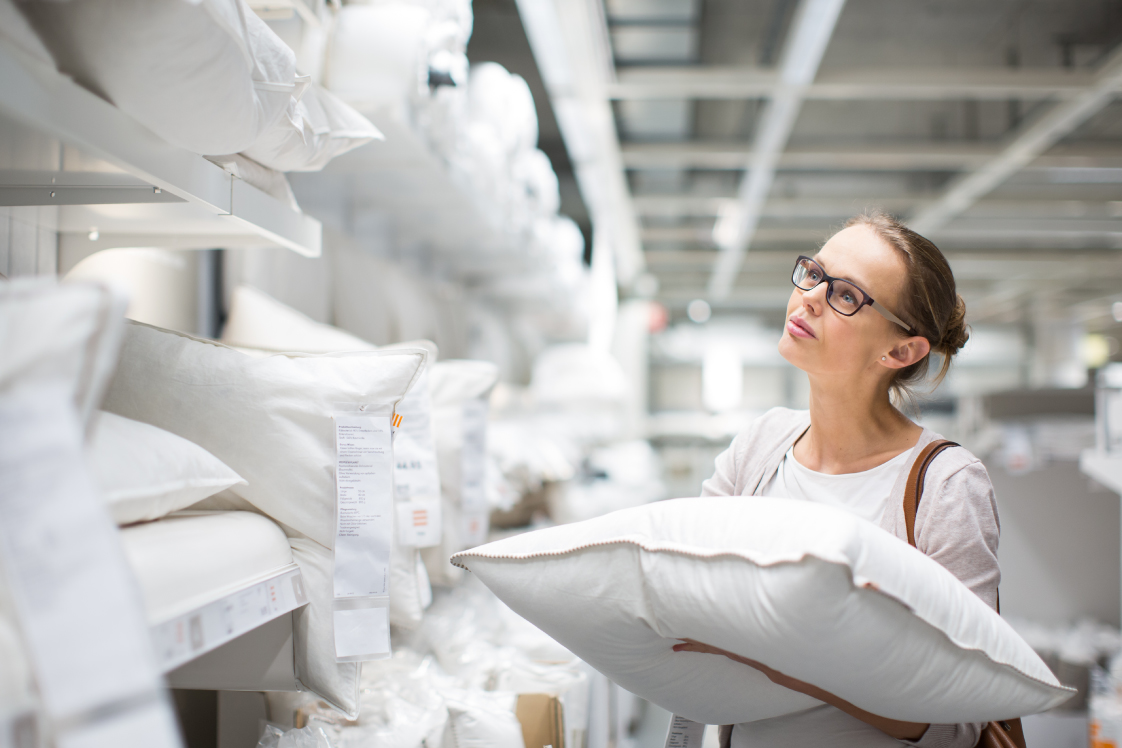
(843, 296)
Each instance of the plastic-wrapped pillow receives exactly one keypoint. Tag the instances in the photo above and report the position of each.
(807, 589)
(504, 101)
(145, 473)
(205, 75)
(269, 418)
(378, 57)
(313, 130)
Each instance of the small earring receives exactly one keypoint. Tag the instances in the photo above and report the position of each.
(883, 358)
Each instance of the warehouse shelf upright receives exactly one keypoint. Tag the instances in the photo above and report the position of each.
(117, 184)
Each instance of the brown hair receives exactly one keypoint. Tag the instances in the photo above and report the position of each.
(928, 302)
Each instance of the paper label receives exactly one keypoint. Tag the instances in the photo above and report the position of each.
(71, 586)
(415, 468)
(364, 509)
(684, 733)
(474, 527)
(419, 523)
(362, 633)
(473, 473)
(363, 535)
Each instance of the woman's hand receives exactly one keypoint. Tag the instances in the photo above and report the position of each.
(895, 728)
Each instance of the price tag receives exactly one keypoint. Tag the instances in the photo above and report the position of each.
(684, 733)
(363, 533)
(419, 523)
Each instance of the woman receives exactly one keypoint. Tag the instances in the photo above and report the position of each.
(854, 449)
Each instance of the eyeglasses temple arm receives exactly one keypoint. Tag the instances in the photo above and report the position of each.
(892, 317)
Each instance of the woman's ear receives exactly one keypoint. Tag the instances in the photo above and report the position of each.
(907, 352)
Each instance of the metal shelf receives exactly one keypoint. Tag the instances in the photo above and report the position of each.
(65, 146)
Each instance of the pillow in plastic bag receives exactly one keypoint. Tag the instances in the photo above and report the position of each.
(205, 75)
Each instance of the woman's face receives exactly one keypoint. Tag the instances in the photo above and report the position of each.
(819, 340)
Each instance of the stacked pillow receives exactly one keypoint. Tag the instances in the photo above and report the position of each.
(460, 390)
(807, 589)
(259, 322)
(270, 419)
(145, 473)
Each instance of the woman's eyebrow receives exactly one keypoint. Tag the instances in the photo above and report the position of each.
(822, 265)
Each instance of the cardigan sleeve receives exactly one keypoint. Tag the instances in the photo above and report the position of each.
(957, 525)
(723, 482)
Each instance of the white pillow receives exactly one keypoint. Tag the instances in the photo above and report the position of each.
(313, 632)
(145, 473)
(484, 720)
(69, 334)
(807, 589)
(205, 75)
(314, 129)
(455, 384)
(257, 320)
(377, 57)
(269, 418)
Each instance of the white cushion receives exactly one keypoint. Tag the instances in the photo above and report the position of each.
(269, 418)
(67, 334)
(809, 590)
(190, 560)
(314, 129)
(313, 632)
(257, 320)
(205, 75)
(454, 384)
(144, 472)
(378, 54)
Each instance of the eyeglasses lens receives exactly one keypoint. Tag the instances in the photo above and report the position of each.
(807, 274)
(841, 295)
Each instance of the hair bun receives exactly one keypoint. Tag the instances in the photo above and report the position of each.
(956, 333)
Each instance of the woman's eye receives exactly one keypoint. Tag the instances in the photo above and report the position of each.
(848, 298)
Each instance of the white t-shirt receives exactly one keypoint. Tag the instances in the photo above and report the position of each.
(866, 495)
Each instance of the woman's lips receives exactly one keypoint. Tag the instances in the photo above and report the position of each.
(799, 329)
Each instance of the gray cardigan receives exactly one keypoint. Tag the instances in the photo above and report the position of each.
(956, 523)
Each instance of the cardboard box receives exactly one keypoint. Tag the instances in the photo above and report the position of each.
(543, 722)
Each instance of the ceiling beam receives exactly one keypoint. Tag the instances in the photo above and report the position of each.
(569, 39)
(1030, 142)
(811, 29)
(907, 84)
(682, 206)
(901, 157)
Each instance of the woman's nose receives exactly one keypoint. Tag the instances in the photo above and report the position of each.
(815, 297)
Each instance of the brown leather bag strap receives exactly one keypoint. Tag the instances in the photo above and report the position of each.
(913, 491)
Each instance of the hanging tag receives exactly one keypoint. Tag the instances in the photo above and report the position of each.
(419, 523)
(474, 527)
(363, 534)
(684, 733)
(71, 587)
(473, 484)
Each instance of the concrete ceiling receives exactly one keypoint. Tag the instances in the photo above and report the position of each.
(992, 125)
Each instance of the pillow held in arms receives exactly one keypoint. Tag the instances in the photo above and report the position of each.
(809, 590)
(269, 418)
(145, 473)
